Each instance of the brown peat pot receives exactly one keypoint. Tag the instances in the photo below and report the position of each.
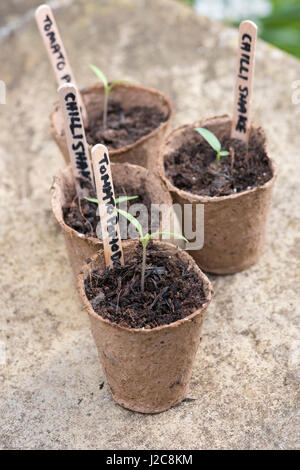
(144, 151)
(234, 225)
(148, 370)
(80, 246)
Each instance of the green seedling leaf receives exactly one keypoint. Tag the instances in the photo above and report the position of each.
(213, 141)
(145, 240)
(210, 138)
(107, 88)
(91, 199)
(99, 74)
(121, 199)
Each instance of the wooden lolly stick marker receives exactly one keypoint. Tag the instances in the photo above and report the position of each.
(244, 81)
(76, 140)
(111, 237)
(56, 51)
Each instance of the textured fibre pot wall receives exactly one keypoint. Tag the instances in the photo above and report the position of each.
(147, 370)
(143, 152)
(234, 225)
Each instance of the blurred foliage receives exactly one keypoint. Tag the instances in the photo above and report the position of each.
(281, 27)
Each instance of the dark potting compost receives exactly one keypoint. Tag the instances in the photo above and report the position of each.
(193, 167)
(124, 127)
(172, 291)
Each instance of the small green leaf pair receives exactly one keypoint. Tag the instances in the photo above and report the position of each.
(107, 88)
(213, 141)
(144, 239)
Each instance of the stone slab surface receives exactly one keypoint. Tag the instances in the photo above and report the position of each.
(245, 383)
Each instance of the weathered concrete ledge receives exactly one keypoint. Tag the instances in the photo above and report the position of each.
(246, 378)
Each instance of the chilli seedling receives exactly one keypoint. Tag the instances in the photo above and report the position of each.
(213, 141)
(144, 239)
(107, 89)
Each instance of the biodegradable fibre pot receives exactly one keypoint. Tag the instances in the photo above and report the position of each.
(234, 225)
(80, 247)
(148, 370)
(143, 152)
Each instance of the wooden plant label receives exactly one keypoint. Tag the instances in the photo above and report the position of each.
(76, 140)
(111, 237)
(55, 48)
(244, 81)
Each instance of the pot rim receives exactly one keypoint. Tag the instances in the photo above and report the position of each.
(99, 86)
(197, 197)
(86, 269)
(56, 205)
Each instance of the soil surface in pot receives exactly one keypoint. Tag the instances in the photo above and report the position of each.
(193, 167)
(172, 291)
(83, 217)
(124, 127)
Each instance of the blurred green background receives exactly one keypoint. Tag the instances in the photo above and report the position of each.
(278, 20)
